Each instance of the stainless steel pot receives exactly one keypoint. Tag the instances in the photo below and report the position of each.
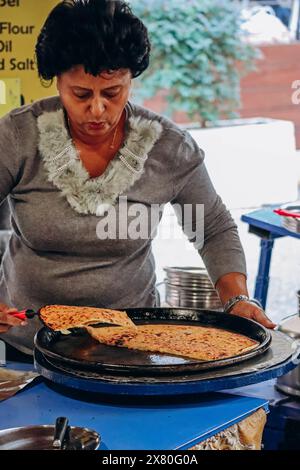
(290, 383)
(190, 287)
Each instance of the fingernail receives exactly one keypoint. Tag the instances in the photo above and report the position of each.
(23, 323)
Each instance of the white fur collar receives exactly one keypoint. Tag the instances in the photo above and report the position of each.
(65, 170)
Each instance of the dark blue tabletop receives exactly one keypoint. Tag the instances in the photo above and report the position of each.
(130, 423)
(266, 219)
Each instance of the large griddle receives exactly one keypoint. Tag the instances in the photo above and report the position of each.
(282, 356)
(80, 351)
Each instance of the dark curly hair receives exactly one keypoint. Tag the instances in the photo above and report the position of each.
(98, 34)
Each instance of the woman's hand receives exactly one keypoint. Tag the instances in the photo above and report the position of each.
(249, 310)
(8, 321)
(233, 284)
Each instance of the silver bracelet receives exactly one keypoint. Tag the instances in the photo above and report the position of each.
(239, 298)
(234, 300)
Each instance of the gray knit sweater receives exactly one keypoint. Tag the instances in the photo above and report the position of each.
(54, 254)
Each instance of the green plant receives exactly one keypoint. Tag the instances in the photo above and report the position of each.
(198, 55)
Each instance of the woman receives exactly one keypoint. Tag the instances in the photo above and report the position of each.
(66, 159)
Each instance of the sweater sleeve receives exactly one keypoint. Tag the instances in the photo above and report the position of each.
(202, 214)
(8, 156)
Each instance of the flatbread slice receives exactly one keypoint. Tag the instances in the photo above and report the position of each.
(196, 342)
(63, 317)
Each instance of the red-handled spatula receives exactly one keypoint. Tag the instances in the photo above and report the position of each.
(23, 314)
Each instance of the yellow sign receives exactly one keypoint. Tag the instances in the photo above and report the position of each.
(2, 92)
(20, 24)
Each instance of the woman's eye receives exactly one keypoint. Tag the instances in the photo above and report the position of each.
(110, 95)
(81, 97)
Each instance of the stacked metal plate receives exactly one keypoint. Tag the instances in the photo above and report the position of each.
(190, 287)
(288, 221)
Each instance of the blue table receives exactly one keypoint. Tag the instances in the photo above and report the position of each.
(267, 225)
(153, 423)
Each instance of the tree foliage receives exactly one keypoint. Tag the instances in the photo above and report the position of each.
(198, 55)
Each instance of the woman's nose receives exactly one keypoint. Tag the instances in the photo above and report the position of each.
(97, 107)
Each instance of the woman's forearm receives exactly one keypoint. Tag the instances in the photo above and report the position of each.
(230, 285)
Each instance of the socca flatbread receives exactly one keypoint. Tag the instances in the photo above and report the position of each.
(196, 342)
(63, 317)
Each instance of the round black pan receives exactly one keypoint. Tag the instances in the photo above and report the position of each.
(80, 350)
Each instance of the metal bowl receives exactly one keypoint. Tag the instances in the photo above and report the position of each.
(41, 438)
(290, 383)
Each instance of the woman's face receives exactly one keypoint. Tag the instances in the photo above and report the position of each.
(94, 104)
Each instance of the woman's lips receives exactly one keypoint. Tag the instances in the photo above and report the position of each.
(96, 125)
